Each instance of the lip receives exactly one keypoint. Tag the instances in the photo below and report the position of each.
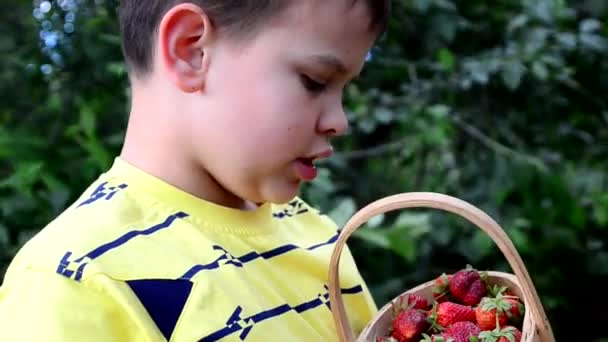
(305, 170)
(324, 154)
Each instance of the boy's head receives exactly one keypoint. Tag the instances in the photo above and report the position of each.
(246, 92)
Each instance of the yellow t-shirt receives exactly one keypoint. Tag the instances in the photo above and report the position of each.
(136, 259)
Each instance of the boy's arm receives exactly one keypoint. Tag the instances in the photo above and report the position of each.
(44, 306)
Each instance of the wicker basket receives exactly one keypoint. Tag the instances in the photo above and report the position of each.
(536, 327)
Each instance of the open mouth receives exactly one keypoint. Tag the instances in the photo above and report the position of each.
(306, 161)
(306, 169)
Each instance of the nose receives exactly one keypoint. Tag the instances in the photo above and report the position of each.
(333, 122)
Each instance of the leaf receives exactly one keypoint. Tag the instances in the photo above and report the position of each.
(446, 5)
(512, 73)
(402, 243)
(373, 237)
(517, 22)
(416, 223)
(383, 115)
(477, 71)
(116, 68)
(24, 177)
(367, 125)
(540, 70)
(446, 59)
(445, 26)
(590, 25)
(423, 5)
(87, 120)
(600, 210)
(594, 42)
(343, 211)
(536, 40)
(439, 111)
(567, 40)
(375, 221)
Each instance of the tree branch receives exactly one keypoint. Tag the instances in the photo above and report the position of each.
(498, 147)
(374, 151)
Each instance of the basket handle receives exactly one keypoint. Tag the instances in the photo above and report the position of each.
(450, 204)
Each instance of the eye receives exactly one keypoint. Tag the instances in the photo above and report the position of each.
(312, 85)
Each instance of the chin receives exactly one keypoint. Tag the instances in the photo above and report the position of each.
(284, 194)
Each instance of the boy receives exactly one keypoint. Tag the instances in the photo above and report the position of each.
(196, 233)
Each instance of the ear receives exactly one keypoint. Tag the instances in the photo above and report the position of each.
(184, 35)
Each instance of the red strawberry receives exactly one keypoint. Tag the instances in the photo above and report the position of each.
(507, 334)
(447, 313)
(489, 309)
(516, 313)
(414, 301)
(417, 302)
(462, 331)
(440, 290)
(467, 286)
(409, 325)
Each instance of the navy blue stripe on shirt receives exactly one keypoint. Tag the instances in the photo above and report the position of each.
(102, 192)
(164, 299)
(227, 258)
(237, 323)
(295, 208)
(66, 266)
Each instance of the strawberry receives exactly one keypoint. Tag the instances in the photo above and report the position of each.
(409, 325)
(507, 334)
(467, 286)
(414, 301)
(440, 290)
(462, 331)
(417, 302)
(516, 313)
(492, 312)
(447, 313)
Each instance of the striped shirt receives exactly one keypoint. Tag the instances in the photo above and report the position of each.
(136, 259)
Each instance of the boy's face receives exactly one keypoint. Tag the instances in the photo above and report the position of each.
(270, 105)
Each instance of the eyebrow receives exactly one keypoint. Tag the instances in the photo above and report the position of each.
(335, 63)
(332, 62)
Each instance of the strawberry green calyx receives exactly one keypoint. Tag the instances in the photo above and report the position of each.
(510, 334)
(432, 319)
(498, 303)
(495, 290)
(436, 338)
(484, 276)
(441, 288)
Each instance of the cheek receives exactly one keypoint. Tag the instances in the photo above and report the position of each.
(271, 104)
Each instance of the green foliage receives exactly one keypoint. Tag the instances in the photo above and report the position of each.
(501, 104)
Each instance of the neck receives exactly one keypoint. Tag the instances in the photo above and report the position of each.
(156, 143)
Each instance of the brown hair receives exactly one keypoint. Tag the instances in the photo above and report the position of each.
(139, 22)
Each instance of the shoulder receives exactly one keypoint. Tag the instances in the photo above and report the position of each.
(100, 232)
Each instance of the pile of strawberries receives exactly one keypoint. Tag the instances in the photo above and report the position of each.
(465, 309)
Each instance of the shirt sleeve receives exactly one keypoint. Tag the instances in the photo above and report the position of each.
(45, 306)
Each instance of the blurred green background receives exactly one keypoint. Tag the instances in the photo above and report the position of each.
(501, 103)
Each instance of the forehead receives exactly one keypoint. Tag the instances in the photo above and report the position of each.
(340, 27)
(351, 15)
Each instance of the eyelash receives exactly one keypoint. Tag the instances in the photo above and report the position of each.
(312, 85)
